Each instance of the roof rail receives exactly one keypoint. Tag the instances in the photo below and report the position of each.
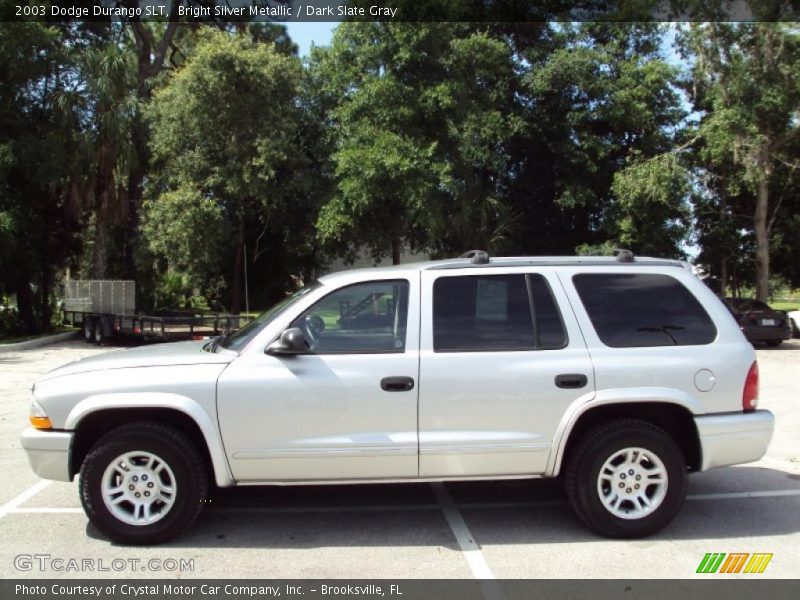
(476, 257)
(622, 255)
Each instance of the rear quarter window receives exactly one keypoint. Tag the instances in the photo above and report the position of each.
(630, 310)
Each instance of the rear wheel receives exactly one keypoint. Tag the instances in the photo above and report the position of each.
(99, 334)
(88, 328)
(774, 343)
(143, 483)
(626, 479)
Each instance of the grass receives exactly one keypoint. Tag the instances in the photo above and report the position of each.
(15, 339)
(785, 305)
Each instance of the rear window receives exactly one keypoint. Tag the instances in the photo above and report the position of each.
(637, 310)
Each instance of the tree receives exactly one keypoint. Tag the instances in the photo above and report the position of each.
(223, 134)
(111, 107)
(597, 98)
(39, 162)
(419, 119)
(745, 80)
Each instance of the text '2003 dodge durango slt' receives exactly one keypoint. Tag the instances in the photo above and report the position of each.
(620, 375)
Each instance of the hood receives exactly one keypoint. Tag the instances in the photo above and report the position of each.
(156, 355)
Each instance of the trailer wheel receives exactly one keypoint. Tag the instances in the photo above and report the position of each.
(99, 334)
(88, 328)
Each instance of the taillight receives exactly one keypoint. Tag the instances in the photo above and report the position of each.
(750, 394)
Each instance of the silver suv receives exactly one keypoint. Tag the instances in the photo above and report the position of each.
(620, 375)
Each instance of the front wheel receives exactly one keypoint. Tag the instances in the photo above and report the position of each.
(626, 479)
(143, 483)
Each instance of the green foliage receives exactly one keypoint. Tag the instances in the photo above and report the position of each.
(224, 130)
(522, 138)
(179, 227)
(423, 115)
(745, 81)
(652, 210)
(599, 98)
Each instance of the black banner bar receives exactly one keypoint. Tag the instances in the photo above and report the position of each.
(401, 589)
(197, 11)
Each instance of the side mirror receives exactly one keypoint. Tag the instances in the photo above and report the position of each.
(291, 341)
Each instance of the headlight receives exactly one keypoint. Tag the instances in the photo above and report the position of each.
(38, 417)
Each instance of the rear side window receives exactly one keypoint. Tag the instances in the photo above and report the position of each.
(637, 310)
(494, 313)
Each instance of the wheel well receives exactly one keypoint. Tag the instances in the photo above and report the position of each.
(677, 421)
(96, 424)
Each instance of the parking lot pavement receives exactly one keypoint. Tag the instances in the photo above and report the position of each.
(519, 528)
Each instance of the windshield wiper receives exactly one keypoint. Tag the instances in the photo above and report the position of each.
(216, 342)
(665, 330)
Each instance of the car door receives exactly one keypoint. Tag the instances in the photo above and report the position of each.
(346, 409)
(501, 359)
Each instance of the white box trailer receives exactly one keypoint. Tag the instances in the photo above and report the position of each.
(105, 308)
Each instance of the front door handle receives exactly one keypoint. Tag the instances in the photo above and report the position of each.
(397, 384)
(571, 381)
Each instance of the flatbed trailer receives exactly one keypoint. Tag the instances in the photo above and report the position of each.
(104, 309)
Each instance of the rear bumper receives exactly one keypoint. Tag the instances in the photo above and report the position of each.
(766, 334)
(733, 439)
(48, 452)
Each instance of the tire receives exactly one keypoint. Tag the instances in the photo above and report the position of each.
(774, 343)
(182, 482)
(98, 333)
(629, 517)
(88, 329)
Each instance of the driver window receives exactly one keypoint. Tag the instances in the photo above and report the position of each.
(363, 318)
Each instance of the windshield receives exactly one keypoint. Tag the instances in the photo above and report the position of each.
(239, 339)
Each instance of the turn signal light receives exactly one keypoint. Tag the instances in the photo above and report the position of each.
(41, 422)
(750, 394)
(38, 417)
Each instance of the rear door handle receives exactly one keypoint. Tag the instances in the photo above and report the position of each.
(397, 384)
(571, 381)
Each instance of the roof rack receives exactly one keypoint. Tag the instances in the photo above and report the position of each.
(622, 255)
(476, 257)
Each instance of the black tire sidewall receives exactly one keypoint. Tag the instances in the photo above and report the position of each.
(189, 488)
(591, 507)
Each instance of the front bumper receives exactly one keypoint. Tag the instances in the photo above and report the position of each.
(732, 439)
(48, 452)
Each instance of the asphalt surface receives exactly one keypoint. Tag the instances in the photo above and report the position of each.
(514, 529)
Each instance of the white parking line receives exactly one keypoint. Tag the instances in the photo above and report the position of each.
(472, 552)
(22, 498)
(45, 511)
(735, 495)
(13, 507)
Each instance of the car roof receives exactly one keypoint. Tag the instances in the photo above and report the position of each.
(503, 261)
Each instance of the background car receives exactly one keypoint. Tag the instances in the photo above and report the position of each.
(760, 322)
(794, 322)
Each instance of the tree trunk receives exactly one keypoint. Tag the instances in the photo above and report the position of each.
(762, 240)
(25, 305)
(397, 247)
(723, 276)
(236, 285)
(136, 175)
(100, 246)
(46, 309)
